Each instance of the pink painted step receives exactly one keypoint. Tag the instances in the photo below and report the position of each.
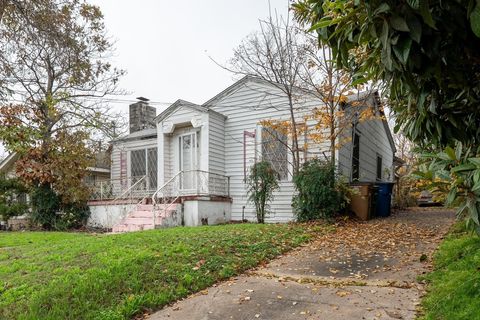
(145, 207)
(142, 218)
(131, 228)
(141, 214)
(138, 221)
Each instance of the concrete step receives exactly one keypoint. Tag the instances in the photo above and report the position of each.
(137, 221)
(141, 214)
(143, 218)
(149, 214)
(145, 207)
(121, 228)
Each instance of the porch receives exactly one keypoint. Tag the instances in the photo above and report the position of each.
(185, 183)
(191, 197)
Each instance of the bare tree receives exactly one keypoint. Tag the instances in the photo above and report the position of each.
(290, 59)
(273, 54)
(341, 102)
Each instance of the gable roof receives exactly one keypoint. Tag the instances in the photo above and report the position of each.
(8, 162)
(237, 85)
(247, 78)
(183, 103)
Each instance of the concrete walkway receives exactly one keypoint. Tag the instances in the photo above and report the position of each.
(361, 271)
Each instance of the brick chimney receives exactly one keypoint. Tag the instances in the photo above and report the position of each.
(142, 115)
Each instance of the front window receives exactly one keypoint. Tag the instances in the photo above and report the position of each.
(143, 162)
(275, 151)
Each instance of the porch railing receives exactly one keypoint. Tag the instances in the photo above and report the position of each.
(208, 183)
(184, 183)
(190, 183)
(114, 188)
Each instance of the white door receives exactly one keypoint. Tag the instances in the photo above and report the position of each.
(188, 160)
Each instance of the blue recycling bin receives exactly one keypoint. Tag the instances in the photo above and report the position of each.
(384, 199)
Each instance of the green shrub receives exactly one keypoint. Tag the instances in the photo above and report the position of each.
(45, 207)
(10, 191)
(50, 213)
(320, 195)
(75, 216)
(261, 183)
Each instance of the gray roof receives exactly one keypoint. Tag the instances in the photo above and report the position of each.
(138, 135)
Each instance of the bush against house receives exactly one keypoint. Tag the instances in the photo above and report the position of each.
(11, 194)
(321, 193)
(49, 212)
(261, 183)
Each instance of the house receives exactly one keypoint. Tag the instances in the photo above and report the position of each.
(188, 164)
(96, 174)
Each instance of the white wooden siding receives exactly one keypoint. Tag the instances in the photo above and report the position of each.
(115, 168)
(244, 109)
(254, 101)
(373, 141)
(216, 143)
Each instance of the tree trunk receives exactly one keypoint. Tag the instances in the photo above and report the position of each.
(295, 151)
(3, 7)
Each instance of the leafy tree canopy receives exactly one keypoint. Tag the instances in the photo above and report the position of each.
(427, 53)
(54, 70)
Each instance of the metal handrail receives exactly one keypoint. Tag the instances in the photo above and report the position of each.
(129, 189)
(203, 184)
(165, 185)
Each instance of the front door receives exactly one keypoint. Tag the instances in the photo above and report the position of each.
(188, 160)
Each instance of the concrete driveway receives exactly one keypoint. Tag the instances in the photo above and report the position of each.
(364, 270)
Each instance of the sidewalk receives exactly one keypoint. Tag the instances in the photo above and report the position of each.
(362, 271)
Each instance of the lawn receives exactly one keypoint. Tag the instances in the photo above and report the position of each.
(454, 285)
(85, 276)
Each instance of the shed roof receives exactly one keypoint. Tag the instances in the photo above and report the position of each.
(138, 135)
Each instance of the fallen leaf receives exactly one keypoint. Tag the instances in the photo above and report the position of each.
(343, 293)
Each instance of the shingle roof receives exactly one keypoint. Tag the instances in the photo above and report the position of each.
(138, 135)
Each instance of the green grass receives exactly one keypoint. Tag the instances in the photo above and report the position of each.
(85, 276)
(454, 285)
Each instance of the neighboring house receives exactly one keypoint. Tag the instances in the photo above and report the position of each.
(188, 164)
(7, 166)
(96, 174)
(7, 170)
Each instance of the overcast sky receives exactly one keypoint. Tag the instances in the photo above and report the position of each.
(165, 45)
